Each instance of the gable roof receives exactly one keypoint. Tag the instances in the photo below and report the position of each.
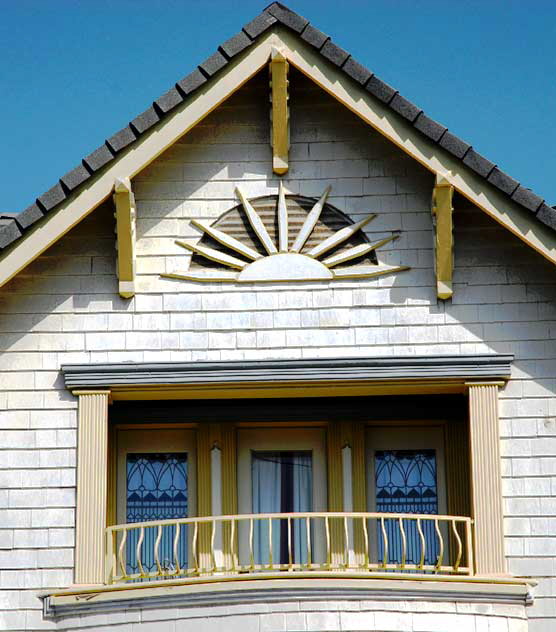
(13, 226)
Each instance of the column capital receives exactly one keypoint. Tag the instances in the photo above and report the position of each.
(498, 383)
(92, 392)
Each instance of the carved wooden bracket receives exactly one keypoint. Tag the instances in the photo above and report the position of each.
(442, 210)
(279, 115)
(124, 200)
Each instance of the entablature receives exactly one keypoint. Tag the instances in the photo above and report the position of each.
(278, 378)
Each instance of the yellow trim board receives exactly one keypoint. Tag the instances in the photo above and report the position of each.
(148, 147)
(442, 210)
(124, 201)
(313, 579)
(324, 388)
(279, 112)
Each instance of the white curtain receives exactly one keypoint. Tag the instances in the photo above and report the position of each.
(282, 482)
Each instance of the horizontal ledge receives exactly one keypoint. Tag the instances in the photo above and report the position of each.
(276, 372)
(233, 590)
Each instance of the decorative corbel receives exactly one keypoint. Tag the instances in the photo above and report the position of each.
(124, 201)
(442, 210)
(279, 115)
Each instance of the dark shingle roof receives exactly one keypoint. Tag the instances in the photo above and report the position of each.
(14, 225)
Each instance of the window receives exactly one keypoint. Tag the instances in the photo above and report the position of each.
(155, 481)
(406, 474)
(281, 470)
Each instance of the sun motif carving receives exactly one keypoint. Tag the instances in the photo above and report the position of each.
(309, 257)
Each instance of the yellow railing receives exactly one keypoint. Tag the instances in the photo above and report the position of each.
(351, 542)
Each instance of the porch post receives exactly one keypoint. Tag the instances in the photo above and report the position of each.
(92, 465)
(486, 478)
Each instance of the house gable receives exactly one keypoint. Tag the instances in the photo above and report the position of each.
(313, 53)
(80, 366)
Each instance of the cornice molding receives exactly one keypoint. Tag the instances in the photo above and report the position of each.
(459, 368)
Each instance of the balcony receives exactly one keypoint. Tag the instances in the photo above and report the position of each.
(260, 546)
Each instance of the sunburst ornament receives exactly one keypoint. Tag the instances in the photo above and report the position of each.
(279, 260)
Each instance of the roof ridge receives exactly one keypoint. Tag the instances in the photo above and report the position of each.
(14, 225)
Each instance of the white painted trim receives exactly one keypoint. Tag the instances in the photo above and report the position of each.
(347, 478)
(347, 481)
(216, 500)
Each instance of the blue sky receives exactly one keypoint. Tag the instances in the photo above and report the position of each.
(74, 72)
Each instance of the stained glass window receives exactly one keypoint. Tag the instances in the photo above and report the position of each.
(406, 482)
(156, 490)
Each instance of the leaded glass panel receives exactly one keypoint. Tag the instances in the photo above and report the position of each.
(156, 490)
(406, 482)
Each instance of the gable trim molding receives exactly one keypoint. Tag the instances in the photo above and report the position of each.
(335, 82)
(146, 149)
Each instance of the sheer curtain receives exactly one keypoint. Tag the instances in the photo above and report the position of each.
(282, 483)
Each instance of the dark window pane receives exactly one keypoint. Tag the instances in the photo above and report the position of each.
(157, 489)
(406, 482)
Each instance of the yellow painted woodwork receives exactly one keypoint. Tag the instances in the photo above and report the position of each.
(124, 201)
(112, 476)
(353, 435)
(229, 486)
(484, 438)
(458, 477)
(335, 490)
(92, 466)
(279, 113)
(358, 460)
(442, 210)
(204, 497)
(475, 587)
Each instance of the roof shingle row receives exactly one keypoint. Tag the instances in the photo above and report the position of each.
(14, 225)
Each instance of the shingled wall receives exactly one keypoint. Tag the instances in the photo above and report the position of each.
(65, 308)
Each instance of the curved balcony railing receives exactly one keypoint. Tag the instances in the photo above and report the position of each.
(360, 543)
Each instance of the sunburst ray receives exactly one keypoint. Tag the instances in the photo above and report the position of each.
(366, 272)
(257, 224)
(338, 237)
(227, 240)
(214, 255)
(309, 223)
(283, 228)
(281, 263)
(355, 252)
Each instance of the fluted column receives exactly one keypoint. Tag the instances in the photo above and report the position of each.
(92, 463)
(484, 434)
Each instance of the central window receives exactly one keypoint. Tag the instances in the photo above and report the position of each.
(281, 470)
(282, 482)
